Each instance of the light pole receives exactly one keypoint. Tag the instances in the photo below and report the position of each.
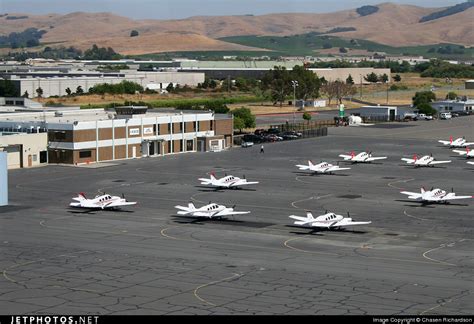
(295, 84)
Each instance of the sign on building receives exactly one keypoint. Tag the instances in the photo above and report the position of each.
(147, 130)
(134, 131)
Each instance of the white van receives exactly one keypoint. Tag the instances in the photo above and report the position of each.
(445, 115)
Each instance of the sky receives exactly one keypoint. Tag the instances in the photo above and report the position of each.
(178, 9)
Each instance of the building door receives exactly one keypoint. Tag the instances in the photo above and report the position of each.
(134, 152)
(392, 114)
(189, 145)
(200, 146)
(30, 161)
(151, 147)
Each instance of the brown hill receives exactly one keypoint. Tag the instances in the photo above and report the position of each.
(396, 25)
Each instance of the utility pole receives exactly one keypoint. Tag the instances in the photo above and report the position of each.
(295, 84)
(387, 91)
(360, 86)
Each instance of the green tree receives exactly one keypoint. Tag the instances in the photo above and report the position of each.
(239, 124)
(277, 81)
(246, 115)
(26, 94)
(68, 91)
(384, 78)
(307, 116)
(350, 80)
(219, 107)
(451, 95)
(397, 78)
(8, 89)
(134, 33)
(39, 92)
(170, 87)
(212, 84)
(79, 90)
(372, 78)
(425, 108)
(308, 83)
(423, 97)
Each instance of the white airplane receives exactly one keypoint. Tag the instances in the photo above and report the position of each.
(362, 157)
(208, 211)
(470, 163)
(468, 152)
(226, 182)
(434, 196)
(322, 167)
(104, 201)
(328, 220)
(458, 142)
(426, 160)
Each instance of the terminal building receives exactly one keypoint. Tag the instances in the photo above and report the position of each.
(465, 105)
(96, 135)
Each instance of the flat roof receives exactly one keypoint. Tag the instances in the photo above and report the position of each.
(82, 115)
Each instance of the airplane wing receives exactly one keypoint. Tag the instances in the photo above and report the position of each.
(376, 158)
(348, 222)
(412, 195)
(303, 167)
(242, 182)
(452, 196)
(120, 204)
(468, 144)
(230, 213)
(84, 205)
(471, 163)
(460, 152)
(346, 157)
(445, 142)
(336, 168)
(409, 161)
(439, 162)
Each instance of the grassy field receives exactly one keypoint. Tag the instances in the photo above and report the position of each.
(309, 44)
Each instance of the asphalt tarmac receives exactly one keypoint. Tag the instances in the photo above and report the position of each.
(412, 259)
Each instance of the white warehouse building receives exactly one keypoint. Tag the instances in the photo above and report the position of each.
(56, 85)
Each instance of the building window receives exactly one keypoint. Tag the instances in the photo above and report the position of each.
(212, 125)
(169, 128)
(195, 126)
(189, 145)
(85, 154)
(169, 146)
(35, 157)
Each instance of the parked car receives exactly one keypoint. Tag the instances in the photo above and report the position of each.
(445, 115)
(423, 116)
(260, 132)
(275, 131)
(246, 144)
(252, 138)
(273, 138)
(290, 135)
(294, 133)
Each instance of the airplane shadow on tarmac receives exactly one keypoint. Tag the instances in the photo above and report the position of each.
(428, 205)
(308, 174)
(94, 211)
(320, 231)
(209, 189)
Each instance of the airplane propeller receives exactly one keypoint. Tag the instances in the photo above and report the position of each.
(432, 188)
(123, 195)
(233, 206)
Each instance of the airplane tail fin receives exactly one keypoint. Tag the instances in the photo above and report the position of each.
(191, 207)
(81, 196)
(310, 163)
(423, 190)
(309, 215)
